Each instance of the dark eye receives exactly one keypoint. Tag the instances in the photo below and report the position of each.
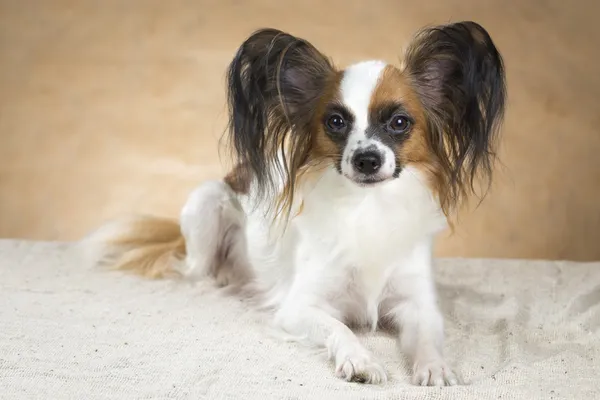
(399, 124)
(335, 123)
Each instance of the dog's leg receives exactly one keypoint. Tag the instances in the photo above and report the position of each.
(212, 224)
(305, 316)
(420, 321)
(353, 362)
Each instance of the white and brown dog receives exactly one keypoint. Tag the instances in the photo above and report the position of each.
(343, 178)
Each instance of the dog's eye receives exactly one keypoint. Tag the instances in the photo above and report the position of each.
(335, 123)
(399, 124)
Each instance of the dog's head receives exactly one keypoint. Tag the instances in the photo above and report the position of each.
(292, 110)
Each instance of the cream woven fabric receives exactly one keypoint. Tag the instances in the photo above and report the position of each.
(515, 330)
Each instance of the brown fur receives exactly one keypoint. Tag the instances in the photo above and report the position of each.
(239, 179)
(149, 247)
(323, 148)
(416, 150)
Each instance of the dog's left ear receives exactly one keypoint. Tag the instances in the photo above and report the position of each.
(459, 75)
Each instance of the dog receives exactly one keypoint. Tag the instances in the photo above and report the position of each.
(342, 179)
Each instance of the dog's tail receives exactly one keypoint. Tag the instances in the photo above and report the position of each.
(152, 247)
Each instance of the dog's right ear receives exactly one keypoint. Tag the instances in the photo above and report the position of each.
(274, 84)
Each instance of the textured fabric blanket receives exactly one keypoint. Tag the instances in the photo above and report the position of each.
(515, 330)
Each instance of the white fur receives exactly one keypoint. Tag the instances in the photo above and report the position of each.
(356, 88)
(354, 255)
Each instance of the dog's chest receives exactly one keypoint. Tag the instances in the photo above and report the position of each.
(360, 237)
(367, 232)
(354, 243)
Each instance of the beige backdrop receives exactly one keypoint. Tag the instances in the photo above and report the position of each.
(109, 107)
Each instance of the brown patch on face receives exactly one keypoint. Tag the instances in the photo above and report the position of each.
(324, 148)
(394, 89)
(239, 179)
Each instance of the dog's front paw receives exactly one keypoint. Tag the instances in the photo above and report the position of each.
(359, 366)
(434, 373)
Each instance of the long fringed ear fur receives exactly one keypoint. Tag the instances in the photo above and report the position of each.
(273, 87)
(459, 75)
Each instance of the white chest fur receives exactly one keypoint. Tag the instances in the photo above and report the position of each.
(368, 228)
(358, 237)
(347, 241)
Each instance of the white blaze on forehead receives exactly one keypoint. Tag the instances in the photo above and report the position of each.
(357, 86)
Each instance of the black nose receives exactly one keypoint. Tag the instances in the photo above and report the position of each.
(368, 162)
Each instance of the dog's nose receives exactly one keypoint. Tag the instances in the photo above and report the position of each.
(367, 162)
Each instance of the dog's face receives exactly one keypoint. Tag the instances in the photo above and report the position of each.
(439, 112)
(371, 125)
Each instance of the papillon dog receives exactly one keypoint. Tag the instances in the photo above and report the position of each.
(342, 179)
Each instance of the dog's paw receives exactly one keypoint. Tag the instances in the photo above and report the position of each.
(360, 367)
(434, 373)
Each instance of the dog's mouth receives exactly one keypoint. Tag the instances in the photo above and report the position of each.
(368, 181)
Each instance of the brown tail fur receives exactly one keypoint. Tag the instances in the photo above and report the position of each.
(152, 247)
